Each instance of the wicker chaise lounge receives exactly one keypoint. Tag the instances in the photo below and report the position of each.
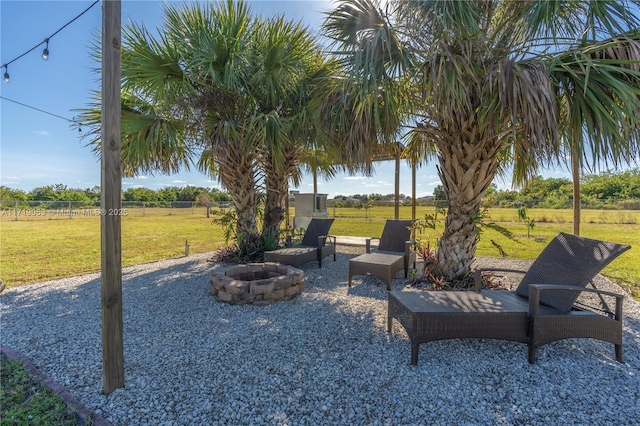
(392, 255)
(316, 244)
(540, 311)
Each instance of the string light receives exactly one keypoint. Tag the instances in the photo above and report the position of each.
(45, 52)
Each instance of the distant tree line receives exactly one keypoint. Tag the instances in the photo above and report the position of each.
(90, 196)
(618, 190)
(366, 200)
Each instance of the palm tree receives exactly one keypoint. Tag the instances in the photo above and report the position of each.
(224, 89)
(287, 87)
(585, 151)
(489, 83)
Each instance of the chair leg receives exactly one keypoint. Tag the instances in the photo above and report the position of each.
(619, 353)
(414, 353)
(532, 354)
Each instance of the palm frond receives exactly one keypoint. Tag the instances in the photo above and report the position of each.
(600, 88)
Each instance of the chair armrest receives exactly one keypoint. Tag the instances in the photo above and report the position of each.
(367, 243)
(536, 289)
(322, 240)
(477, 275)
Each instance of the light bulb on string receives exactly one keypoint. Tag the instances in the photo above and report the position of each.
(79, 124)
(6, 74)
(45, 52)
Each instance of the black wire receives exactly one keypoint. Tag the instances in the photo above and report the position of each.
(40, 110)
(46, 40)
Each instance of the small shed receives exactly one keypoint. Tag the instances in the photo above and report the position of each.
(309, 206)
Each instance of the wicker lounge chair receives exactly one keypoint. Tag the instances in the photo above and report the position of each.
(540, 311)
(392, 255)
(316, 244)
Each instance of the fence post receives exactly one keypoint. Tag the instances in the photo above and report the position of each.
(170, 205)
(16, 210)
(143, 206)
(69, 209)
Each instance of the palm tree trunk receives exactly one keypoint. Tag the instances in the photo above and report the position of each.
(466, 170)
(277, 185)
(274, 208)
(237, 175)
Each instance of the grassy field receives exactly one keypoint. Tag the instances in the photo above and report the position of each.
(38, 248)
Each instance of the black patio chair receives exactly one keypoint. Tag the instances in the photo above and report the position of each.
(316, 244)
(543, 309)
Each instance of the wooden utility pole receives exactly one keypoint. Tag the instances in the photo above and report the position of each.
(111, 204)
(413, 189)
(396, 210)
(575, 173)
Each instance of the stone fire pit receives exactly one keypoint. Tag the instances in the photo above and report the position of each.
(257, 283)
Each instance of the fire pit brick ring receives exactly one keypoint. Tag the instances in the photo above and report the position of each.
(257, 283)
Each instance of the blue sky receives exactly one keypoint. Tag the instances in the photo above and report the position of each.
(37, 149)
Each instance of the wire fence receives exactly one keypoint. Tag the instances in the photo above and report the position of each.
(598, 211)
(48, 210)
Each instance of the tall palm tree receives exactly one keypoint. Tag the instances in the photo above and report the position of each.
(286, 85)
(489, 82)
(224, 89)
(584, 151)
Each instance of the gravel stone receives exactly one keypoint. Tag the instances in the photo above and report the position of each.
(324, 357)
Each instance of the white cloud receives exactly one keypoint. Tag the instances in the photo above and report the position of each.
(141, 177)
(355, 178)
(178, 181)
(41, 132)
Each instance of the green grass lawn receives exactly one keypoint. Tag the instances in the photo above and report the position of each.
(39, 250)
(51, 247)
(24, 401)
